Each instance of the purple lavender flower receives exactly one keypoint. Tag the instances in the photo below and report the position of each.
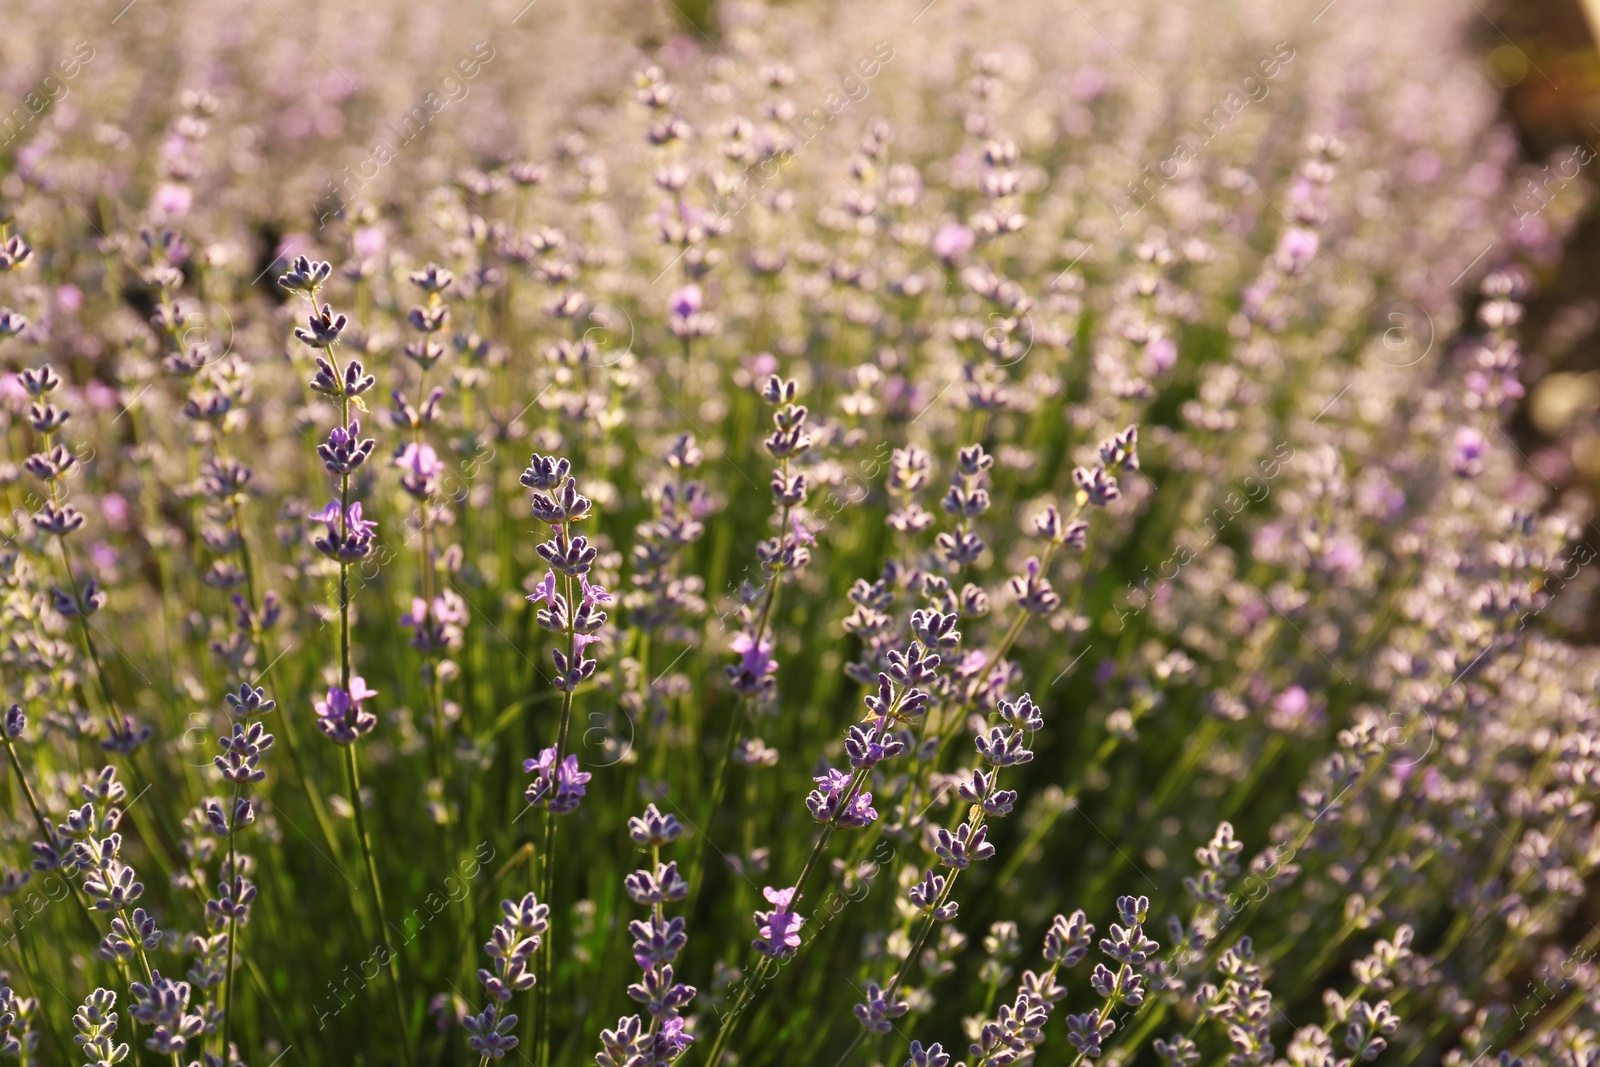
(631, 1044)
(780, 927)
(626, 1046)
(660, 993)
(490, 1033)
(657, 941)
(1088, 1031)
(1466, 459)
(672, 1039)
(112, 886)
(1033, 591)
(684, 302)
(510, 947)
(926, 894)
(345, 450)
(241, 758)
(878, 1010)
(951, 241)
(232, 901)
(322, 328)
(250, 700)
(834, 802)
(305, 276)
(557, 786)
(164, 1005)
(57, 521)
(354, 381)
(1068, 940)
(1097, 486)
(933, 1055)
(349, 538)
(653, 829)
(420, 469)
(959, 850)
(1121, 450)
(95, 1023)
(661, 886)
(866, 749)
(127, 938)
(545, 593)
(1003, 748)
(341, 716)
(753, 674)
(1128, 945)
(436, 625)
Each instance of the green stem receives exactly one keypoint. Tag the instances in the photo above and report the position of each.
(741, 712)
(376, 892)
(541, 989)
(233, 928)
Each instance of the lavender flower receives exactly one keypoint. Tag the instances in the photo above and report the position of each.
(420, 467)
(341, 716)
(345, 450)
(779, 929)
(491, 1032)
(652, 829)
(437, 626)
(836, 801)
(658, 942)
(96, 1026)
(558, 786)
(877, 1011)
(10, 1045)
(164, 1005)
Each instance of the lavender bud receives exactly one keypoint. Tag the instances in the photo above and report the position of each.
(37, 382)
(1068, 939)
(960, 850)
(932, 1056)
(491, 1033)
(305, 276)
(546, 472)
(653, 829)
(322, 329)
(249, 701)
(432, 278)
(878, 1009)
(1096, 486)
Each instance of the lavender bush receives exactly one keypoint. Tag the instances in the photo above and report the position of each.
(891, 534)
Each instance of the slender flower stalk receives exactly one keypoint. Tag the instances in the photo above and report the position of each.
(656, 945)
(240, 765)
(349, 539)
(514, 941)
(436, 619)
(753, 677)
(558, 786)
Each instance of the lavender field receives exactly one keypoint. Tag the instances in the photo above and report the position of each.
(938, 534)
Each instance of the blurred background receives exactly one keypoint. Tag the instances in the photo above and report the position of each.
(1542, 52)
